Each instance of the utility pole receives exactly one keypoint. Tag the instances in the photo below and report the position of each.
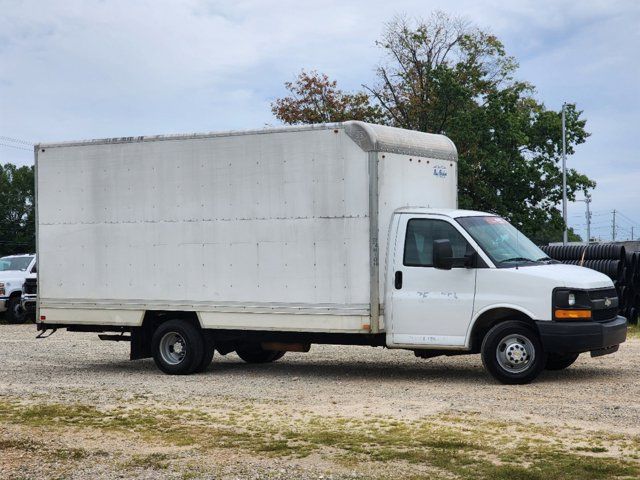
(564, 176)
(587, 201)
(587, 215)
(613, 227)
(632, 233)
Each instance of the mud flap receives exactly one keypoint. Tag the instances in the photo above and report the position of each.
(140, 343)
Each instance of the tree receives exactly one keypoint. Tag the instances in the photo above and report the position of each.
(316, 99)
(445, 76)
(17, 215)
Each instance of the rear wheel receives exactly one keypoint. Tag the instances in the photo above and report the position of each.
(560, 362)
(512, 353)
(254, 353)
(178, 347)
(15, 312)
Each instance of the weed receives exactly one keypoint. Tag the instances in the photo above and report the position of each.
(461, 446)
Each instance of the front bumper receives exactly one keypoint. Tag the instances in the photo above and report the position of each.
(578, 337)
(29, 304)
(3, 304)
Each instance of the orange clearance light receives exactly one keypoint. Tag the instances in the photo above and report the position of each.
(573, 314)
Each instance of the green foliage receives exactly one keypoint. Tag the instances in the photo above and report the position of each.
(444, 76)
(316, 99)
(17, 213)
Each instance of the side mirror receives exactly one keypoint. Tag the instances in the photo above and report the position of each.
(442, 254)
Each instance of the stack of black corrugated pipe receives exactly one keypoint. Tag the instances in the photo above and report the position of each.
(614, 261)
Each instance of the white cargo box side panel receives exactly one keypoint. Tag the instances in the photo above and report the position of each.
(413, 181)
(256, 222)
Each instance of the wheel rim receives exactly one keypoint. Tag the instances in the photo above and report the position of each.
(515, 353)
(173, 348)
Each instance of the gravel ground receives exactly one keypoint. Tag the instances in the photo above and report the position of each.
(599, 394)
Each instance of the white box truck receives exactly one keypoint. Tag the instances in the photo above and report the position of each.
(267, 241)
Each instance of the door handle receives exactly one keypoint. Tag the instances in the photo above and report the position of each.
(398, 280)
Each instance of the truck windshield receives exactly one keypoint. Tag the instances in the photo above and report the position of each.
(14, 263)
(504, 243)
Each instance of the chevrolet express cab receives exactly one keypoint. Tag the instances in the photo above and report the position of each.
(267, 241)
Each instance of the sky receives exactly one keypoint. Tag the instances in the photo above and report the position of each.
(76, 69)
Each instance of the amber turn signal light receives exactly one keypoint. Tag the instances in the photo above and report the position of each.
(573, 314)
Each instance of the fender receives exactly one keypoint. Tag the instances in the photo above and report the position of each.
(488, 308)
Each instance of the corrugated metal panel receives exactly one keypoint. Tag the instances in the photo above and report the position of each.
(277, 218)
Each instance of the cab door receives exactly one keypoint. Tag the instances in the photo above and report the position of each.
(429, 306)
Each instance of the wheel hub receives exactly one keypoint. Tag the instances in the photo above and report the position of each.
(515, 353)
(173, 348)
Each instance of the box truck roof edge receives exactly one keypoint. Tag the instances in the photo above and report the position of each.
(368, 136)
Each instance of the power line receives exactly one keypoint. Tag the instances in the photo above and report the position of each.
(633, 222)
(16, 146)
(16, 140)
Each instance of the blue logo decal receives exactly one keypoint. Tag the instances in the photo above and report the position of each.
(440, 171)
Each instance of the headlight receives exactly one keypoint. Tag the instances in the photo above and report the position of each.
(571, 305)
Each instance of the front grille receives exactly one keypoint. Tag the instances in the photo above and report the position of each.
(603, 293)
(604, 304)
(30, 286)
(604, 315)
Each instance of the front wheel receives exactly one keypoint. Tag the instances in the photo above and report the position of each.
(560, 362)
(15, 312)
(512, 353)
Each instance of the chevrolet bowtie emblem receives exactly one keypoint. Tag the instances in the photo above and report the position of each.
(607, 302)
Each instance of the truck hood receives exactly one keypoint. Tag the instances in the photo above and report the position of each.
(571, 276)
(8, 275)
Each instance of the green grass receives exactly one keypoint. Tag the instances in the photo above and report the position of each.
(464, 447)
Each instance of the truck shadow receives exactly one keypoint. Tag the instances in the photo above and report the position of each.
(295, 370)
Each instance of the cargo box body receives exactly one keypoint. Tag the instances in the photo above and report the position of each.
(279, 229)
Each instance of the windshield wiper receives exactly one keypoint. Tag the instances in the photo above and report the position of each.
(517, 259)
(547, 260)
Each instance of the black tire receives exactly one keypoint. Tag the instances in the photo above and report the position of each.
(207, 355)
(512, 353)
(560, 362)
(15, 313)
(254, 353)
(170, 336)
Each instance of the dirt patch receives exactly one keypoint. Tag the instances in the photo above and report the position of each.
(73, 407)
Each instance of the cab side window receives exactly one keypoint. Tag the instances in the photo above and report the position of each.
(418, 243)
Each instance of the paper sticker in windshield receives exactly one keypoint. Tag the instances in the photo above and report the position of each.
(440, 171)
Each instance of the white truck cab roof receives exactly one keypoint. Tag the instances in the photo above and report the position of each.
(446, 212)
